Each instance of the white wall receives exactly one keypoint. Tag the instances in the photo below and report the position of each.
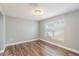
(20, 29)
(1, 31)
(71, 39)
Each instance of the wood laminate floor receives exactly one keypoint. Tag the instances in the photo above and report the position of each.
(35, 48)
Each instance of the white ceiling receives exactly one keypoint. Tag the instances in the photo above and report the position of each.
(24, 10)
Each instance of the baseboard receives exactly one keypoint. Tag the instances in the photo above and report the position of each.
(42, 40)
(75, 51)
(21, 42)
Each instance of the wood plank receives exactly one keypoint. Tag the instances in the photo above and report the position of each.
(36, 48)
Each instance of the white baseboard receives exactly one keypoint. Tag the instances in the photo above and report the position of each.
(17, 43)
(61, 46)
(21, 42)
(42, 40)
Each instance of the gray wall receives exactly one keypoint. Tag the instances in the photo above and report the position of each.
(71, 39)
(1, 32)
(18, 29)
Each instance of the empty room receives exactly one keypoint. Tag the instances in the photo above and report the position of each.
(39, 29)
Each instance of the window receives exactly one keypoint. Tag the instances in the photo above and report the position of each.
(55, 30)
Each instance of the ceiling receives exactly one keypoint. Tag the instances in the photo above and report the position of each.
(24, 10)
